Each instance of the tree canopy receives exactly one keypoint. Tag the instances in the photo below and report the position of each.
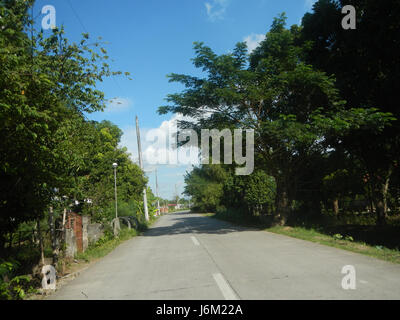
(300, 112)
(48, 148)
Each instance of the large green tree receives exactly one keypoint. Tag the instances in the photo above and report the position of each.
(44, 82)
(366, 64)
(290, 105)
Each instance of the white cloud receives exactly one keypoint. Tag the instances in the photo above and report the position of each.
(253, 41)
(118, 104)
(168, 174)
(216, 9)
(157, 148)
(161, 145)
(309, 4)
(209, 8)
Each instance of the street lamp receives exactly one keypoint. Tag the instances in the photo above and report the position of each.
(115, 165)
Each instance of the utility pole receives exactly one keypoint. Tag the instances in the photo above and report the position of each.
(177, 197)
(115, 165)
(158, 200)
(117, 226)
(146, 210)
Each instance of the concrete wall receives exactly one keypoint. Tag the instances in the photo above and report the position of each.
(70, 241)
(94, 232)
(91, 233)
(85, 238)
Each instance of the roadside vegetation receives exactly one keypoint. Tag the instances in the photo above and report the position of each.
(367, 239)
(108, 242)
(53, 159)
(323, 104)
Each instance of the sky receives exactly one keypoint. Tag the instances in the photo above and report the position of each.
(153, 38)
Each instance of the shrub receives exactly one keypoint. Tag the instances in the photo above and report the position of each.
(13, 287)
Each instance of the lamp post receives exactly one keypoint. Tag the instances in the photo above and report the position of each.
(115, 165)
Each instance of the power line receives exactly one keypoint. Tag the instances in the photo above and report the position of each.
(86, 31)
(77, 16)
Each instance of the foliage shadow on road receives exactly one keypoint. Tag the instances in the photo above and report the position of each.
(187, 223)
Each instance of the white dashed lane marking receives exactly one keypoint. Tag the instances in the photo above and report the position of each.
(225, 288)
(195, 241)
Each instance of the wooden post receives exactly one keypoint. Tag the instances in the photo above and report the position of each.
(40, 242)
(53, 236)
(64, 217)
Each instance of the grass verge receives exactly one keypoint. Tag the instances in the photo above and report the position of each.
(338, 241)
(106, 245)
(313, 235)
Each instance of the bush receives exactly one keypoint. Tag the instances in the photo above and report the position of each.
(13, 287)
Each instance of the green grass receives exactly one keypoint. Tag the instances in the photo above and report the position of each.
(341, 241)
(105, 245)
(108, 243)
(313, 235)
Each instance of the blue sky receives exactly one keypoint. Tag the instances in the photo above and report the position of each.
(152, 38)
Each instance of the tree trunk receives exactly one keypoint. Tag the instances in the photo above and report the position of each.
(282, 204)
(10, 240)
(380, 197)
(335, 204)
(380, 213)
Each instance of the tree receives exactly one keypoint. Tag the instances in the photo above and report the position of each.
(43, 81)
(365, 62)
(96, 147)
(259, 192)
(205, 185)
(290, 105)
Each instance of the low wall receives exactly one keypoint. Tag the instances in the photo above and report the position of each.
(90, 233)
(95, 231)
(70, 241)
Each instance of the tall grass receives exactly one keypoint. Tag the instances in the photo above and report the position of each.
(106, 244)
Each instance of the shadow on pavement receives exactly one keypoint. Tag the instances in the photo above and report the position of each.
(193, 223)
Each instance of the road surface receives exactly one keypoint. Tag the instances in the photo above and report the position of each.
(186, 256)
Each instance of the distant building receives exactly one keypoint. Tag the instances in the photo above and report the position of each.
(175, 206)
(163, 209)
(172, 206)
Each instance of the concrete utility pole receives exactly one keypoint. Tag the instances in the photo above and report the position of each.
(177, 197)
(116, 225)
(158, 200)
(146, 210)
(115, 165)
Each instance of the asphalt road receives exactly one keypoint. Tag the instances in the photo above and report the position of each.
(189, 256)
